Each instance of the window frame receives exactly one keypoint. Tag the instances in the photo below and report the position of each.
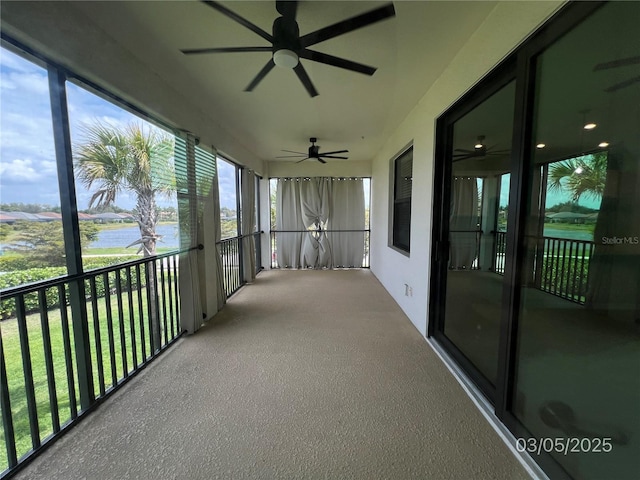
(394, 201)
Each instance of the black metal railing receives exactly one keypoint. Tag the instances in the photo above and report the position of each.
(563, 267)
(67, 343)
(560, 265)
(366, 234)
(499, 252)
(230, 250)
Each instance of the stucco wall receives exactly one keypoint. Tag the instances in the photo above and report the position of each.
(506, 27)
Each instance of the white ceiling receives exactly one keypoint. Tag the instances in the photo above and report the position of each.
(353, 111)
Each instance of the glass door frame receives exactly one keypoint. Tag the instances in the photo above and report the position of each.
(519, 65)
(499, 78)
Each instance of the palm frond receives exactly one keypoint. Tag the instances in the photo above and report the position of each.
(580, 176)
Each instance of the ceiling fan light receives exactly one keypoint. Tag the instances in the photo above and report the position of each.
(541, 145)
(478, 146)
(285, 58)
(590, 126)
(603, 144)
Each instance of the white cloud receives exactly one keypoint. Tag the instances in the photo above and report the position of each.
(26, 83)
(20, 171)
(14, 62)
(48, 167)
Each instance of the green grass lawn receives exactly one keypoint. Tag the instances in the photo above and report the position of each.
(121, 251)
(578, 227)
(123, 339)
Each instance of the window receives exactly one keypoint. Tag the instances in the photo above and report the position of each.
(30, 216)
(128, 206)
(228, 185)
(402, 180)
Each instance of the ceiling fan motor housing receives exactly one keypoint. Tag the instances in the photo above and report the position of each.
(314, 151)
(286, 34)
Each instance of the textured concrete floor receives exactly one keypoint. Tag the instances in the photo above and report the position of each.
(305, 375)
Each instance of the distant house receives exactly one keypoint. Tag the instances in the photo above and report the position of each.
(12, 217)
(86, 217)
(110, 217)
(49, 216)
(570, 217)
(7, 218)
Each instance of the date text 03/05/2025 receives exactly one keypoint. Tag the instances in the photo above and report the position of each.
(564, 446)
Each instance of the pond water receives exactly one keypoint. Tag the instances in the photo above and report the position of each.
(121, 237)
(572, 234)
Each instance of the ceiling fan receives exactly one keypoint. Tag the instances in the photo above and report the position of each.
(479, 150)
(314, 152)
(622, 62)
(288, 47)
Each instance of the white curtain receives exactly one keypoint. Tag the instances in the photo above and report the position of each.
(248, 223)
(288, 219)
(463, 223)
(347, 213)
(314, 202)
(200, 279)
(315, 205)
(189, 278)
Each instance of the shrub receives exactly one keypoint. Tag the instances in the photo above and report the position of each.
(32, 275)
(24, 277)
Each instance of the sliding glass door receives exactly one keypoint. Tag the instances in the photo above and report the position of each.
(536, 260)
(475, 227)
(578, 355)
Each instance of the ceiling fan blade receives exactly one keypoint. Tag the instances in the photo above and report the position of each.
(622, 62)
(320, 160)
(304, 78)
(347, 25)
(291, 151)
(621, 85)
(261, 74)
(237, 18)
(303, 159)
(337, 151)
(332, 156)
(464, 150)
(191, 51)
(287, 8)
(337, 62)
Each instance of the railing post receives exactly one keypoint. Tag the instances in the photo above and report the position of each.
(7, 417)
(71, 232)
(153, 305)
(239, 220)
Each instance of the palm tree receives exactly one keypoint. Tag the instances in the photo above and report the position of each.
(134, 158)
(585, 175)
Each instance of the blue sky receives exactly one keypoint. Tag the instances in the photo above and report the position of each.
(553, 198)
(27, 158)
